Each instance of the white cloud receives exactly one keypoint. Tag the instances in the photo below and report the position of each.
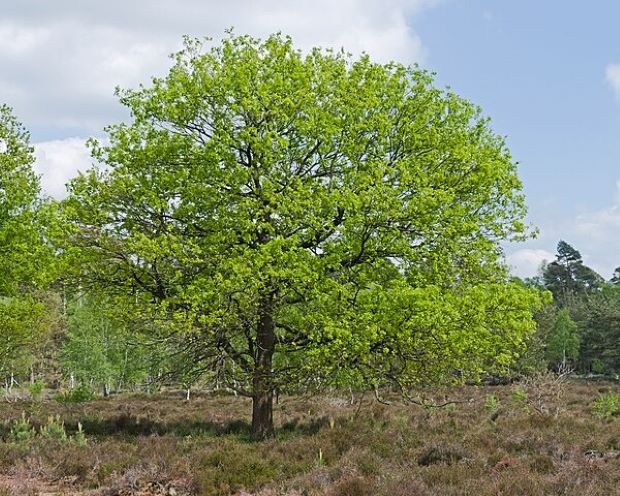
(594, 232)
(60, 61)
(58, 161)
(66, 79)
(612, 76)
(597, 232)
(526, 261)
(17, 41)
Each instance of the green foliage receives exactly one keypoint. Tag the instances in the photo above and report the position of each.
(600, 321)
(80, 394)
(307, 219)
(26, 258)
(563, 341)
(491, 403)
(567, 277)
(606, 405)
(79, 438)
(25, 327)
(583, 332)
(534, 359)
(36, 390)
(22, 431)
(520, 395)
(54, 429)
(597, 366)
(102, 346)
(24, 255)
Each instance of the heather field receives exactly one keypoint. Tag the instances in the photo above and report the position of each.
(544, 437)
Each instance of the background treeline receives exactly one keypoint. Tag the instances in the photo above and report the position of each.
(93, 342)
(580, 330)
(90, 343)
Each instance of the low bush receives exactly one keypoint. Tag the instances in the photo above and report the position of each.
(80, 394)
(492, 404)
(36, 390)
(54, 429)
(22, 430)
(607, 405)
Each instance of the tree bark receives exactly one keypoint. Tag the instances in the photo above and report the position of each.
(262, 381)
(262, 415)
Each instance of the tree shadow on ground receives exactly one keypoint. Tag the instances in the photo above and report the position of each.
(133, 426)
(127, 425)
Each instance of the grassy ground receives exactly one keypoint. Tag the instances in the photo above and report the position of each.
(538, 439)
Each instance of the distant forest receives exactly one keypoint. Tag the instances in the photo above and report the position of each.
(580, 329)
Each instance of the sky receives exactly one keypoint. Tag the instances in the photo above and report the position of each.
(546, 73)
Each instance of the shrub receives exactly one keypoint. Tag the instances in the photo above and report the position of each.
(232, 467)
(491, 403)
(80, 438)
(355, 486)
(519, 394)
(36, 390)
(606, 405)
(22, 431)
(545, 393)
(80, 394)
(598, 367)
(54, 429)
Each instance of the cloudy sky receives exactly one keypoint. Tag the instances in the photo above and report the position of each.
(547, 73)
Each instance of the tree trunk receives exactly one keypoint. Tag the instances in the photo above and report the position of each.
(262, 382)
(262, 415)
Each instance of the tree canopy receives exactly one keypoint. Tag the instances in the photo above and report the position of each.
(308, 218)
(568, 276)
(22, 251)
(24, 256)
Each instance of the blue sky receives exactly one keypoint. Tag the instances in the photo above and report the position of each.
(539, 70)
(543, 71)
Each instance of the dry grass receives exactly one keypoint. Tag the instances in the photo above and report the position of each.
(536, 439)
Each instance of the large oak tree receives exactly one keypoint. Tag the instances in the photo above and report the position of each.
(307, 218)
